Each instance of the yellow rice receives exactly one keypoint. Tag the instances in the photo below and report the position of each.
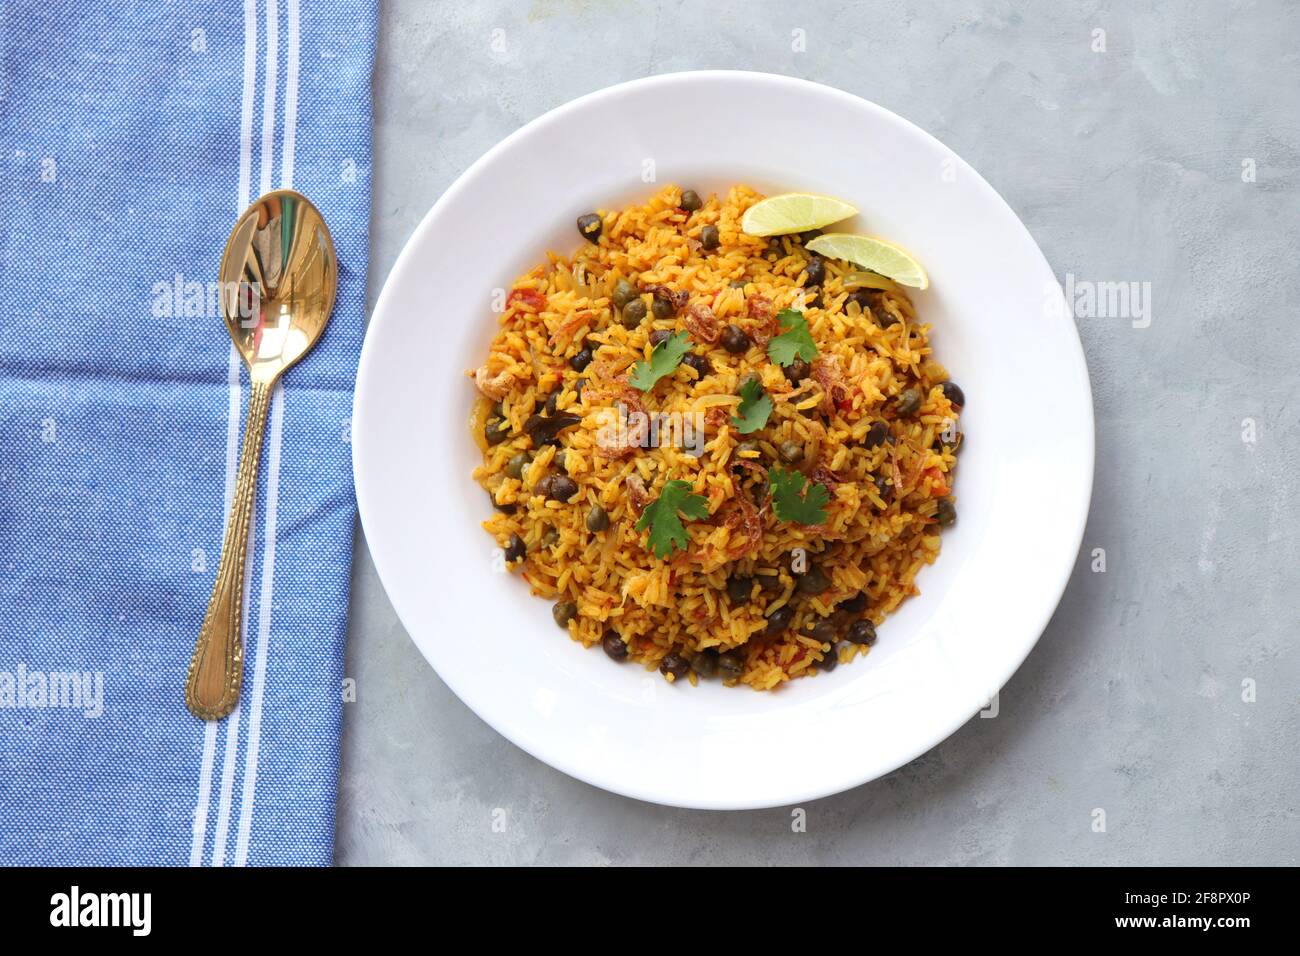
(680, 605)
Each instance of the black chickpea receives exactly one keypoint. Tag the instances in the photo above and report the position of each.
(798, 370)
(561, 488)
(580, 361)
(734, 340)
(862, 632)
(813, 581)
(590, 226)
(697, 362)
(779, 620)
(614, 646)
(674, 664)
(738, 588)
(856, 604)
(862, 300)
(876, 435)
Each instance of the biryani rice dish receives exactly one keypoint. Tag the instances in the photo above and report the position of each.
(715, 454)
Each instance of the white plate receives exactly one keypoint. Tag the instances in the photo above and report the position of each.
(1022, 488)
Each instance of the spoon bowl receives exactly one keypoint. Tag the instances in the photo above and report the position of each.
(278, 279)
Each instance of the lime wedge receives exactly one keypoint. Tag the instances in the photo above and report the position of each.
(874, 254)
(793, 212)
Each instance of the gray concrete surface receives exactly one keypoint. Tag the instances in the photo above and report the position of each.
(1128, 164)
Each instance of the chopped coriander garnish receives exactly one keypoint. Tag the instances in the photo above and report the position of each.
(789, 500)
(660, 516)
(667, 355)
(795, 341)
(755, 406)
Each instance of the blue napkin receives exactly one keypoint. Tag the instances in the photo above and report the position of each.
(133, 135)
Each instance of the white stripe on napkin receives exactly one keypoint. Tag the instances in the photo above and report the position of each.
(269, 93)
(210, 731)
(225, 807)
(290, 98)
(236, 404)
(263, 633)
(261, 649)
(272, 481)
(205, 793)
(232, 731)
(246, 108)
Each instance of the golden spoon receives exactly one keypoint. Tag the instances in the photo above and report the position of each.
(278, 277)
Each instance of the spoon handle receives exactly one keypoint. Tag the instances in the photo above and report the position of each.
(217, 668)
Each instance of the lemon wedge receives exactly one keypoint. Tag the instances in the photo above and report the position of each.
(793, 212)
(868, 252)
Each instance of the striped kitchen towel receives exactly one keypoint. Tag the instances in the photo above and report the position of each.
(133, 135)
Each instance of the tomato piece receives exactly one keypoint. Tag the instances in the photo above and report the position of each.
(939, 486)
(529, 297)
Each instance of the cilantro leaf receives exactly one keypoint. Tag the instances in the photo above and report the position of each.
(794, 341)
(667, 355)
(789, 501)
(660, 516)
(754, 407)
